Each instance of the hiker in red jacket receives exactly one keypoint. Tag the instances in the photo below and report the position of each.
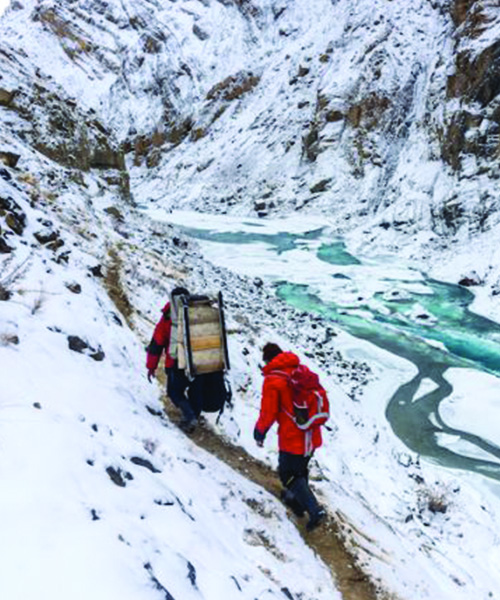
(296, 445)
(179, 388)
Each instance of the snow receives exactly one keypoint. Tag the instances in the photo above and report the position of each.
(460, 412)
(67, 418)
(69, 531)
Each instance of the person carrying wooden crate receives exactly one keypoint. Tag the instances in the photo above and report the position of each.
(192, 334)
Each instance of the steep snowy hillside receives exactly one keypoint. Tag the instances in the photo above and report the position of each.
(103, 496)
(379, 119)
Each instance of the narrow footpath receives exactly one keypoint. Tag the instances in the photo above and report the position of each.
(326, 541)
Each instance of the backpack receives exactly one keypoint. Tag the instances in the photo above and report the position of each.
(212, 391)
(311, 407)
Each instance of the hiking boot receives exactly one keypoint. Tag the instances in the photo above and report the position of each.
(316, 519)
(188, 425)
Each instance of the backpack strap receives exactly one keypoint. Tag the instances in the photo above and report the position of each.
(308, 445)
(279, 373)
(312, 421)
(227, 399)
(320, 415)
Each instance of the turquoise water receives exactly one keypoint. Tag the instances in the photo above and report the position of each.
(468, 339)
(434, 330)
(336, 254)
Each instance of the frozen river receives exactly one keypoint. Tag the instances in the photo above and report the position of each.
(448, 411)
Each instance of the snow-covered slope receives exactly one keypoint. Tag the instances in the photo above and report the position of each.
(102, 496)
(380, 116)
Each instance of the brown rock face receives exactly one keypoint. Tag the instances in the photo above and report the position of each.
(473, 128)
(64, 134)
(460, 9)
(6, 97)
(477, 79)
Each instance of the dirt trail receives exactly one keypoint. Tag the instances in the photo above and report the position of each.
(325, 541)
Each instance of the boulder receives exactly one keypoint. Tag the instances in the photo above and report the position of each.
(470, 280)
(6, 97)
(9, 159)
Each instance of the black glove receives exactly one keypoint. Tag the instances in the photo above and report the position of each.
(259, 437)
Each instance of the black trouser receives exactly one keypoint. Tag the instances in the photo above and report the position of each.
(293, 471)
(179, 391)
(292, 466)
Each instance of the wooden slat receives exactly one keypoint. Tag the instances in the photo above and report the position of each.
(208, 361)
(204, 329)
(208, 342)
(203, 314)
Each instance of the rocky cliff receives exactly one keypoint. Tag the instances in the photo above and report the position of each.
(371, 112)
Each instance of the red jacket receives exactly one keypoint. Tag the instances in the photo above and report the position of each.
(276, 405)
(160, 341)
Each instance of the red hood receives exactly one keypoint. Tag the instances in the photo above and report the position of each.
(285, 360)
